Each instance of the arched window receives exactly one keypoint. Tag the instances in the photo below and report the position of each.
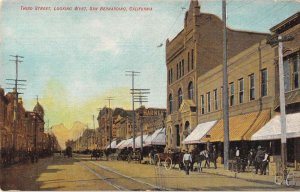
(191, 90)
(179, 97)
(170, 103)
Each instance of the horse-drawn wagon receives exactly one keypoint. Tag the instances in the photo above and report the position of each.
(169, 160)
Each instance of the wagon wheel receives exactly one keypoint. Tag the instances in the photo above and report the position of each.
(156, 160)
(168, 163)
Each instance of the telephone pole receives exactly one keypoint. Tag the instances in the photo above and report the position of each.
(279, 41)
(133, 74)
(140, 97)
(225, 90)
(111, 120)
(17, 93)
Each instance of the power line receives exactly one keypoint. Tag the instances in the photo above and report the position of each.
(133, 74)
(16, 92)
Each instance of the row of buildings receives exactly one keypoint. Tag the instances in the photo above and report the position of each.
(194, 114)
(117, 124)
(22, 130)
(194, 61)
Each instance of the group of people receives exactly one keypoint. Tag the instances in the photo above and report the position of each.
(200, 157)
(259, 159)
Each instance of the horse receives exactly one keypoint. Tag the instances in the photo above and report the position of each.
(198, 157)
(96, 153)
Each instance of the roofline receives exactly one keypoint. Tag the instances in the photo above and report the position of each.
(237, 30)
(285, 21)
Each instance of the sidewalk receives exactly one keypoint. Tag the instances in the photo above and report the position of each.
(250, 176)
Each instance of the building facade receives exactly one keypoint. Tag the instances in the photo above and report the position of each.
(22, 131)
(197, 49)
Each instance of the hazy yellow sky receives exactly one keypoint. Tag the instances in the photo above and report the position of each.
(60, 109)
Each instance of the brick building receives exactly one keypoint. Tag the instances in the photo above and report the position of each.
(22, 131)
(197, 49)
(253, 94)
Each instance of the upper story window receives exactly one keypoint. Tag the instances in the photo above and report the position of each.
(180, 97)
(251, 87)
(296, 71)
(221, 98)
(177, 72)
(170, 103)
(182, 65)
(208, 102)
(180, 69)
(191, 90)
(231, 98)
(264, 82)
(188, 61)
(216, 99)
(202, 104)
(171, 75)
(241, 91)
(192, 59)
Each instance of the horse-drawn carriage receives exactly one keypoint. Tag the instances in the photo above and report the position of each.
(97, 154)
(68, 152)
(135, 156)
(169, 160)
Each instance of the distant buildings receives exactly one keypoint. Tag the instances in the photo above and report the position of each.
(120, 122)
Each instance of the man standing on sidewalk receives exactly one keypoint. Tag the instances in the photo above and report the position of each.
(214, 156)
(187, 160)
(258, 159)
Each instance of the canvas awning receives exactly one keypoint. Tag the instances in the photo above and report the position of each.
(124, 143)
(199, 132)
(160, 138)
(120, 144)
(272, 130)
(113, 145)
(138, 141)
(241, 127)
(157, 138)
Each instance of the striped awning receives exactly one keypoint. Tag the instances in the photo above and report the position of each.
(241, 127)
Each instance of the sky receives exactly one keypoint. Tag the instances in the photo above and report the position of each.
(74, 60)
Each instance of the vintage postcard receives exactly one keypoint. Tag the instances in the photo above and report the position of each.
(136, 95)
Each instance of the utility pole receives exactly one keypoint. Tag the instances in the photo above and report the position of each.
(133, 74)
(95, 137)
(17, 93)
(225, 90)
(274, 42)
(111, 120)
(140, 97)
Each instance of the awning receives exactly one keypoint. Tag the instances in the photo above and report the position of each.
(157, 138)
(120, 144)
(123, 144)
(199, 132)
(138, 141)
(160, 139)
(113, 145)
(241, 127)
(272, 130)
(128, 143)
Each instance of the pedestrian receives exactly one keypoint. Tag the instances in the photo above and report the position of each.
(214, 156)
(237, 159)
(187, 160)
(264, 163)
(258, 159)
(250, 157)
